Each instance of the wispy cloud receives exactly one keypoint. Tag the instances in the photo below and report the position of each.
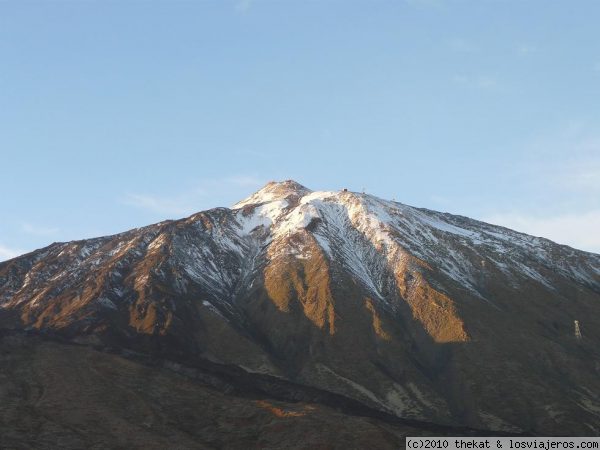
(486, 82)
(560, 168)
(479, 82)
(178, 205)
(566, 159)
(526, 49)
(460, 79)
(583, 175)
(38, 230)
(243, 6)
(460, 45)
(194, 199)
(8, 253)
(579, 230)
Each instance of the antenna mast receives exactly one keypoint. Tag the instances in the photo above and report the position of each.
(577, 330)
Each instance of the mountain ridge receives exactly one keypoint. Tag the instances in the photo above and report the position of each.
(384, 303)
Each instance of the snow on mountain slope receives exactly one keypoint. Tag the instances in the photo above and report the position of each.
(418, 313)
(363, 231)
(460, 247)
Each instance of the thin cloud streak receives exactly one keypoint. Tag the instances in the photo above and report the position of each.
(38, 230)
(584, 176)
(483, 82)
(578, 230)
(460, 45)
(243, 6)
(526, 49)
(192, 200)
(567, 160)
(157, 204)
(562, 167)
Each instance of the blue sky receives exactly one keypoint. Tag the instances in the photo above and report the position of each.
(117, 114)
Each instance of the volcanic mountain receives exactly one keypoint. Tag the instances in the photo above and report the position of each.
(383, 307)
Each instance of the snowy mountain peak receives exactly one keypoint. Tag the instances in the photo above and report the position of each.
(381, 302)
(275, 190)
(349, 226)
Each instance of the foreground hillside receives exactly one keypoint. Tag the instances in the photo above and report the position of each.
(57, 395)
(412, 313)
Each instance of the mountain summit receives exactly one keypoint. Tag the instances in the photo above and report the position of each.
(276, 191)
(412, 313)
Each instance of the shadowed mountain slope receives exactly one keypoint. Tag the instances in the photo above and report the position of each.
(414, 313)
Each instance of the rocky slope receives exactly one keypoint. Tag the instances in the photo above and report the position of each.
(410, 312)
(54, 395)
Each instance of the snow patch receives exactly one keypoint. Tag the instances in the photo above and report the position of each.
(493, 422)
(106, 303)
(357, 387)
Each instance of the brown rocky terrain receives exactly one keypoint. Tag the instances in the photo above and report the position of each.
(400, 311)
(59, 395)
